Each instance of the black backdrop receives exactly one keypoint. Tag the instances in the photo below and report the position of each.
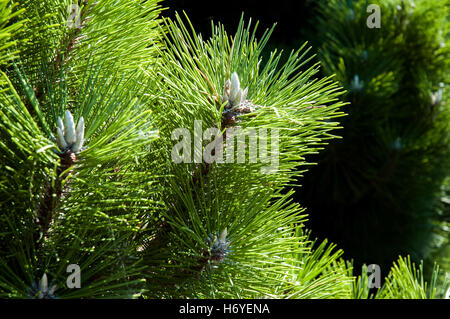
(291, 16)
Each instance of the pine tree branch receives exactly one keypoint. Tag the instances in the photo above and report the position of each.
(45, 214)
(68, 43)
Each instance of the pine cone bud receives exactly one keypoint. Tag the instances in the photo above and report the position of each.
(67, 137)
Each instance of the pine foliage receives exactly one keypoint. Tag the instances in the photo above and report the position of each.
(203, 199)
(136, 222)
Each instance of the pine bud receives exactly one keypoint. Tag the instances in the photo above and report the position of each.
(67, 137)
(44, 283)
(41, 290)
(244, 95)
(60, 140)
(219, 246)
(235, 88)
(69, 126)
(237, 99)
(79, 136)
(355, 84)
(60, 124)
(223, 235)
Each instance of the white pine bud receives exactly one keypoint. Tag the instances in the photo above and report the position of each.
(80, 136)
(237, 99)
(235, 88)
(60, 139)
(60, 124)
(244, 95)
(69, 126)
(44, 284)
(223, 235)
(356, 84)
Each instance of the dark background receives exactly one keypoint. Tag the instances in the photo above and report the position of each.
(291, 16)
